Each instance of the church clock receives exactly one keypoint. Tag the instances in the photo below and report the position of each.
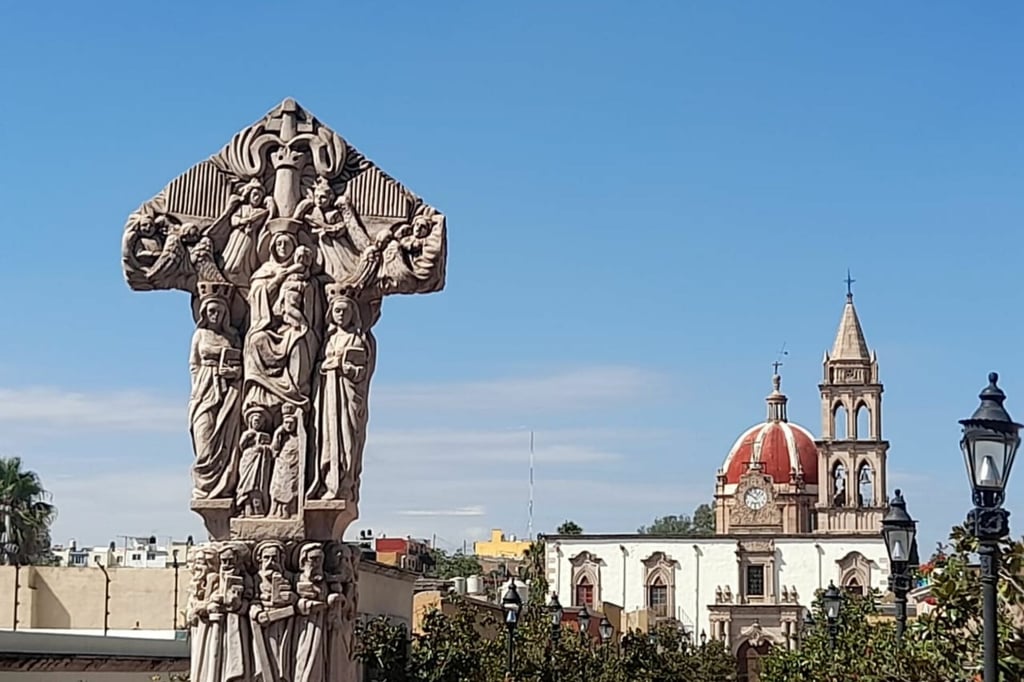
(755, 498)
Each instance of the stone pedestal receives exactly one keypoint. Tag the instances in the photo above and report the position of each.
(287, 241)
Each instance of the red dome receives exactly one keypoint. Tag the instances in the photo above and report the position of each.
(780, 446)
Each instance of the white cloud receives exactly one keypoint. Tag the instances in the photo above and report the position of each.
(136, 410)
(118, 410)
(460, 511)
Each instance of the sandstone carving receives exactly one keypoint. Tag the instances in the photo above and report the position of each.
(287, 241)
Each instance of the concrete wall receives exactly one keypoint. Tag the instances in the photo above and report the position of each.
(63, 598)
(808, 563)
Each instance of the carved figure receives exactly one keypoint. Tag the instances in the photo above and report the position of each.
(283, 220)
(281, 345)
(228, 657)
(341, 400)
(271, 614)
(250, 211)
(310, 658)
(284, 481)
(254, 470)
(214, 412)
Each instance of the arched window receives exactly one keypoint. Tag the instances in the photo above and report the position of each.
(839, 422)
(657, 597)
(863, 422)
(839, 496)
(853, 586)
(584, 595)
(865, 486)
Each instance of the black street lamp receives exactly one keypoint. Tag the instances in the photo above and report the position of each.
(703, 638)
(900, 534)
(556, 611)
(512, 603)
(989, 445)
(832, 604)
(605, 629)
(584, 620)
(808, 625)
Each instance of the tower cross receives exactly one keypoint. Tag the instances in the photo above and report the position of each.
(849, 283)
(776, 365)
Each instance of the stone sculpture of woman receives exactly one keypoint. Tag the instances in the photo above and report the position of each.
(340, 400)
(341, 611)
(280, 345)
(271, 613)
(284, 480)
(310, 661)
(214, 411)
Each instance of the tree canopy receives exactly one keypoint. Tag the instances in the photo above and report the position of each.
(457, 565)
(569, 528)
(26, 515)
(700, 524)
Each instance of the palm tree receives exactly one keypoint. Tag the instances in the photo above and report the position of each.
(25, 514)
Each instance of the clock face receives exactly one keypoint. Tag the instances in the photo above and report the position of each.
(756, 498)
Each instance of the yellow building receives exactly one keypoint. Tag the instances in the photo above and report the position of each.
(500, 547)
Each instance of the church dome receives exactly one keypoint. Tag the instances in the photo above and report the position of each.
(781, 448)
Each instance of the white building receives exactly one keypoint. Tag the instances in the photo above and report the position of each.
(792, 515)
(133, 552)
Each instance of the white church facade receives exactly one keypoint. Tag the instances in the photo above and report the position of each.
(792, 513)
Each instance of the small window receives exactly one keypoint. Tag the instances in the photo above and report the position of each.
(584, 592)
(657, 598)
(136, 557)
(755, 581)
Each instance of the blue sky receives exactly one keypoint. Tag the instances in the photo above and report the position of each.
(645, 201)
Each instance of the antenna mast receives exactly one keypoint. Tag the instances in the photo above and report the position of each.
(529, 524)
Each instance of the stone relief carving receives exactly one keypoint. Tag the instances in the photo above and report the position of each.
(767, 515)
(287, 241)
(270, 611)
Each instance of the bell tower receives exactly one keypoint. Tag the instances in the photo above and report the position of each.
(852, 464)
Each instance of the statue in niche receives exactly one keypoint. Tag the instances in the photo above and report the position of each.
(255, 465)
(340, 234)
(284, 480)
(281, 343)
(310, 659)
(839, 486)
(228, 657)
(202, 587)
(865, 487)
(249, 212)
(342, 610)
(340, 400)
(214, 413)
(271, 614)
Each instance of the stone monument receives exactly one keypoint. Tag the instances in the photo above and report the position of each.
(288, 239)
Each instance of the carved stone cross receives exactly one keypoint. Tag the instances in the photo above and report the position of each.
(287, 240)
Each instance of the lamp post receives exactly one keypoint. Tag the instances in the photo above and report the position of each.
(174, 554)
(832, 603)
(583, 618)
(511, 602)
(703, 638)
(556, 611)
(899, 532)
(989, 444)
(808, 625)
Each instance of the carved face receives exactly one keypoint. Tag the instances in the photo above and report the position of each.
(215, 313)
(313, 562)
(341, 311)
(256, 196)
(228, 561)
(270, 559)
(283, 247)
(147, 228)
(256, 421)
(322, 197)
(289, 423)
(200, 565)
(304, 256)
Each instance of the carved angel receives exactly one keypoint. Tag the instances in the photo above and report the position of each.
(341, 235)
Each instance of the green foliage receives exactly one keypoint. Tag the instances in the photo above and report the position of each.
(570, 528)
(455, 648)
(457, 565)
(25, 513)
(701, 524)
(945, 644)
